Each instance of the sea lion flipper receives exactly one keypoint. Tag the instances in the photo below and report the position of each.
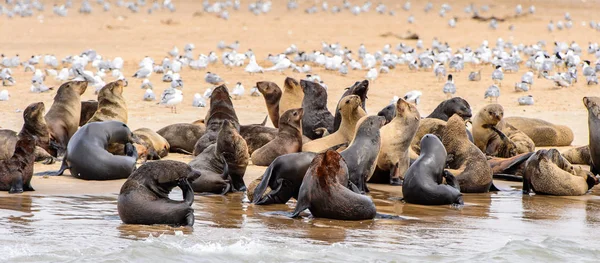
(303, 202)
(17, 185)
(283, 193)
(188, 192)
(354, 188)
(262, 186)
(451, 180)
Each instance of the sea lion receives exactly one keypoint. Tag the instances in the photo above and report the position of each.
(360, 88)
(182, 136)
(88, 109)
(593, 106)
(272, 94)
(488, 130)
(510, 169)
(325, 192)
(426, 126)
(144, 197)
(423, 180)
(578, 155)
(351, 111)
(16, 172)
(464, 160)
(88, 159)
(316, 114)
(159, 145)
(449, 107)
(111, 104)
(222, 164)
(34, 124)
(221, 109)
(542, 133)
(389, 112)
(289, 139)
(257, 136)
(396, 136)
(292, 96)
(547, 172)
(64, 114)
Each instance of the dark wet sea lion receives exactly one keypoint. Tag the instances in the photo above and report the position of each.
(88, 109)
(144, 197)
(221, 109)
(316, 114)
(464, 160)
(547, 172)
(292, 96)
(111, 104)
(16, 172)
(88, 159)
(289, 139)
(389, 112)
(542, 133)
(182, 136)
(447, 108)
(351, 111)
(325, 192)
(593, 106)
(360, 89)
(64, 114)
(423, 180)
(160, 145)
(272, 94)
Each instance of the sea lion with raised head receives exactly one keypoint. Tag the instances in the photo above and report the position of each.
(221, 109)
(144, 197)
(447, 108)
(182, 136)
(316, 114)
(360, 89)
(292, 96)
(542, 133)
(289, 139)
(16, 172)
(111, 104)
(325, 192)
(423, 180)
(34, 124)
(272, 94)
(64, 114)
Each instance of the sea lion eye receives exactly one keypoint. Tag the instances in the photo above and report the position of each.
(347, 101)
(490, 112)
(295, 113)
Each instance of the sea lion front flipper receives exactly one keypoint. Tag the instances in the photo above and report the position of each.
(354, 188)
(17, 185)
(451, 180)
(303, 202)
(264, 182)
(395, 177)
(264, 122)
(281, 195)
(226, 176)
(188, 192)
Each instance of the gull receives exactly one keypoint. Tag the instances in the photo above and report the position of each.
(4, 96)
(452, 22)
(254, 92)
(117, 63)
(189, 47)
(212, 78)
(313, 77)
(498, 75)
(177, 83)
(587, 70)
(63, 75)
(475, 76)
(84, 75)
(527, 78)
(592, 80)
(492, 92)
(372, 74)
(439, 70)
(38, 86)
(98, 84)
(281, 65)
(207, 93)
(560, 79)
(384, 69)
(344, 69)
(199, 101)
(149, 95)
(525, 100)
(550, 26)
(146, 84)
(413, 96)
(143, 72)
(394, 100)
(51, 72)
(521, 86)
(449, 88)
(238, 91)
(171, 97)
(253, 67)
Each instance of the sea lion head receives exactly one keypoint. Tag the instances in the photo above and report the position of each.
(118, 132)
(78, 86)
(220, 93)
(492, 114)
(361, 88)
(593, 105)
(431, 145)
(455, 128)
(290, 84)
(315, 92)
(162, 176)
(269, 90)
(458, 105)
(293, 118)
(348, 104)
(35, 124)
(407, 111)
(389, 113)
(369, 126)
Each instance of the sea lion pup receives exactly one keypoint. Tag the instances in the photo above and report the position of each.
(289, 139)
(325, 192)
(160, 146)
(16, 172)
(488, 124)
(182, 136)
(144, 197)
(394, 158)
(547, 172)
(447, 108)
(593, 106)
(292, 96)
(64, 114)
(88, 159)
(34, 124)
(542, 133)
(351, 111)
(578, 155)
(360, 88)
(272, 94)
(423, 180)
(221, 109)
(111, 104)
(88, 109)
(464, 160)
(316, 114)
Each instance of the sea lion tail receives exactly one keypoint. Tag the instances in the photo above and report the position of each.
(262, 186)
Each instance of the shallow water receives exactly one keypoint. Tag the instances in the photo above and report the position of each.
(496, 227)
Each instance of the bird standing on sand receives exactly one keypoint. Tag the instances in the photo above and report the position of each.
(238, 91)
(171, 97)
(372, 74)
(493, 92)
(498, 75)
(527, 78)
(521, 86)
(253, 67)
(475, 76)
(149, 95)
(212, 78)
(525, 100)
(254, 92)
(449, 88)
(439, 70)
(413, 96)
(146, 84)
(199, 101)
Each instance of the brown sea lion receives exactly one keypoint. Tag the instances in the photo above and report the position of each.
(464, 160)
(144, 197)
(159, 145)
(289, 139)
(292, 96)
(426, 126)
(351, 111)
(396, 136)
(316, 114)
(325, 192)
(64, 114)
(360, 88)
(221, 109)
(593, 106)
(272, 94)
(88, 109)
(547, 172)
(111, 104)
(257, 136)
(34, 125)
(182, 136)
(542, 133)
(578, 155)
(16, 172)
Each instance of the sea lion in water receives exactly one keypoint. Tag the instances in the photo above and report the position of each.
(88, 159)
(182, 136)
(221, 109)
(64, 114)
(360, 89)
(351, 111)
(289, 139)
(325, 192)
(542, 133)
(272, 94)
(394, 158)
(593, 106)
(292, 96)
(464, 160)
(423, 180)
(144, 197)
(88, 109)
(16, 172)
(111, 104)
(547, 172)
(488, 130)
(316, 114)
(159, 145)
(34, 124)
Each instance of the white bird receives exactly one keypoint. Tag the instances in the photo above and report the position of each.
(492, 92)
(63, 75)
(199, 101)
(38, 86)
(212, 78)
(475, 76)
(449, 88)
(592, 80)
(498, 75)
(281, 65)
(146, 84)
(238, 91)
(394, 100)
(527, 78)
(253, 67)
(559, 79)
(149, 95)
(254, 92)
(4, 96)
(117, 63)
(143, 72)
(174, 52)
(413, 96)
(207, 93)
(521, 86)
(98, 84)
(171, 97)
(372, 74)
(525, 100)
